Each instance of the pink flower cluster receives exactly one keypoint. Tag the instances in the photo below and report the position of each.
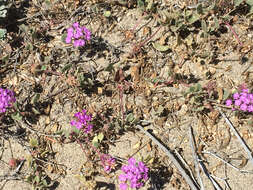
(108, 162)
(79, 35)
(135, 173)
(242, 101)
(82, 121)
(6, 99)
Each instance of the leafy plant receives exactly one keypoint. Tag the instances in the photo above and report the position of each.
(3, 9)
(3, 14)
(196, 97)
(37, 178)
(249, 2)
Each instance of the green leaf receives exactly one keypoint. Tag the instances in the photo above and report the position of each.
(43, 67)
(35, 110)
(2, 33)
(3, 11)
(201, 108)
(193, 18)
(63, 37)
(95, 139)
(44, 182)
(37, 179)
(200, 8)
(33, 142)
(29, 46)
(16, 116)
(5, 58)
(226, 94)
(24, 28)
(75, 130)
(198, 87)
(237, 2)
(130, 117)
(140, 4)
(192, 89)
(35, 98)
(66, 67)
(66, 133)
(107, 13)
(150, 4)
(204, 26)
(100, 137)
(250, 3)
(160, 47)
(96, 144)
(216, 23)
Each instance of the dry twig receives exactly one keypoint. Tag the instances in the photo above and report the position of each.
(196, 157)
(232, 166)
(244, 145)
(201, 164)
(174, 160)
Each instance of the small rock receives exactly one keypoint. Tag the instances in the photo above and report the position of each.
(183, 110)
(155, 98)
(212, 70)
(141, 101)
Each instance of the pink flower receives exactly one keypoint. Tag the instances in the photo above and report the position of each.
(76, 25)
(68, 40)
(250, 108)
(243, 107)
(79, 35)
(236, 96)
(251, 98)
(245, 90)
(123, 186)
(122, 177)
(108, 162)
(135, 173)
(82, 121)
(6, 99)
(229, 102)
(238, 102)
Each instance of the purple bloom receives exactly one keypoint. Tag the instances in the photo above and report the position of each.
(68, 40)
(242, 101)
(243, 95)
(76, 25)
(229, 102)
(123, 186)
(236, 96)
(135, 173)
(243, 107)
(108, 162)
(250, 108)
(70, 31)
(238, 102)
(122, 177)
(6, 99)
(245, 90)
(251, 98)
(78, 34)
(82, 121)
(246, 100)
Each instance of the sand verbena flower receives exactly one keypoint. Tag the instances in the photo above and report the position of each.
(241, 101)
(78, 35)
(83, 121)
(6, 99)
(136, 174)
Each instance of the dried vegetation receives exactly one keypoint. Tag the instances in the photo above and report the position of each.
(163, 66)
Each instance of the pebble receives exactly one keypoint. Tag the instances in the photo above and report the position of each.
(141, 101)
(183, 110)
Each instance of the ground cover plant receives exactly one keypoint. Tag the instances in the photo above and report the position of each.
(126, 94)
